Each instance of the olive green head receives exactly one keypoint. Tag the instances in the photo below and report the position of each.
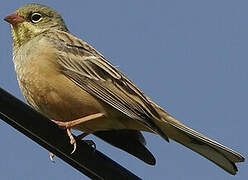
(31, 20)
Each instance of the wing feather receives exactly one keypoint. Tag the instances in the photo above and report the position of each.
(92, 72)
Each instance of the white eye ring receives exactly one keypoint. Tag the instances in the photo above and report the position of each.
(36, 17)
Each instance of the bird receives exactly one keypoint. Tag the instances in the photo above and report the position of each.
(74, 85)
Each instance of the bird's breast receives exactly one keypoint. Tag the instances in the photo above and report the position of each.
(49, 91)
(54, 95)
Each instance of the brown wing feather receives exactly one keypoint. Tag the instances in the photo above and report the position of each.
(92, 72)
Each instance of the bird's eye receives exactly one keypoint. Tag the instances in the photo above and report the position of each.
(35, 17)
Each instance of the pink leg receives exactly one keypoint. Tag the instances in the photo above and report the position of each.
(69, 124)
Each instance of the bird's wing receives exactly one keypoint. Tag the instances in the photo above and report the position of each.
(86, 67)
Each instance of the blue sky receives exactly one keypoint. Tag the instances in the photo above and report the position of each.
(189, 56)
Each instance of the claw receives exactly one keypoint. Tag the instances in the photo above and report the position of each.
(69, 124)
(51, 156)
(74, 148)
(72, 140)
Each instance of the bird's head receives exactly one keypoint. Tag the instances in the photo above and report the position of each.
(31, 20)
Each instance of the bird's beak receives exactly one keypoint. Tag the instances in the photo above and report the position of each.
(14, 19)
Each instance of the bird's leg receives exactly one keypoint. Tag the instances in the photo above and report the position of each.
(69, 124)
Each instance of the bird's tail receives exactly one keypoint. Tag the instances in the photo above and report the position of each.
(222, 156)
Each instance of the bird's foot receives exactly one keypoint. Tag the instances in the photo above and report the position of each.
(69, 124)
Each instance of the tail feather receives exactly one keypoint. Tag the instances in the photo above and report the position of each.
(222, 156)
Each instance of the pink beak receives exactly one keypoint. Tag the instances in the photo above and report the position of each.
(14, 19)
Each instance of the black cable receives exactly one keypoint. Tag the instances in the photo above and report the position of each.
(86, 159)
